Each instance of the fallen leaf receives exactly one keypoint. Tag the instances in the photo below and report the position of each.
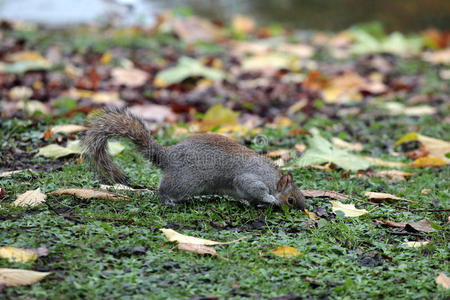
(13, 254)
(279, 153)
(48, 134)
(349, 210)
(443, 280)
(321, 151)
(438, 57)
(194, 29)
(415, 244)
(24, 61)
(199, 249)
(173, 236)
(68, 128)
(20, 93)
(218, 116)
(345, 145)
(384, 163)
(424, 226)
(30, 198)
(311, 215)
(130, 77)
(185, 68)
(379, 197)
(9, 173)
(428, 162)
(323, 193)
(243, 24)
(299, 50)
(90, 194)
(55, 151)
(286, 251)
(154, 112)
(437, 148)
(268, 62)
(17, 277)
(393, 174)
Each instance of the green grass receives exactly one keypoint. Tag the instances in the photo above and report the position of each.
(348, 258)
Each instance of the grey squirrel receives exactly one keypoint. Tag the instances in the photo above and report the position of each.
(200, 165)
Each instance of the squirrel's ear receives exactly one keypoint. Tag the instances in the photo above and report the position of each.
(284, 182)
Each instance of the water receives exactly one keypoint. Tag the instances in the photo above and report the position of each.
(410, 15)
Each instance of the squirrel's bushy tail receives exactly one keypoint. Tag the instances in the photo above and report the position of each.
(118, 122)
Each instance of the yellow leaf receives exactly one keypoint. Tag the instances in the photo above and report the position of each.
(16, 277)
(174, 236)
(428, 162)
(30, 198)
(14, 254)
(106, 58)
(349, 210)
(393, 174)
(443, 280)
(218, 116)
(436, 147)
(90, 194)
(286, 251)
(278, 153)
(311, 215)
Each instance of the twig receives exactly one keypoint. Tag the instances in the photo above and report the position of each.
(426, 210)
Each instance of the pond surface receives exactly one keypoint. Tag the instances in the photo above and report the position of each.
(400, 15)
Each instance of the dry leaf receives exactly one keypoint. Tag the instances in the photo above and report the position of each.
(173, 236)
(415, 244)
(437, 148)
(9, 173)
(345, 145)
(55, 151)
(424, 226)
(48, 134)
(199, 249)
(349, 210)
(379, 197)
(278, 153)
(286, 251)
(392, 174)
(428, 162)
(130, 77)
(323, 193)
(90, 194)
(194, 29)
(154, 112)
(443, 280)
(383, 163)
(16, 277)
(243, 24)
(30, 198)
(68, 128)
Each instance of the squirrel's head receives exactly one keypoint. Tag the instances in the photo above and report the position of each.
(289, 194)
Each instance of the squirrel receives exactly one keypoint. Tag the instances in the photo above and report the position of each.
(202, 164)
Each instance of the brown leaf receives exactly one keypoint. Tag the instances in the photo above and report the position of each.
(324, 193)
(48, 134)
(68, 128)
(154, 112)
(90, 194)
(379, 197)
(16, 277)
(194, 29)
(392, 174)
(443, 280)
(424, 226)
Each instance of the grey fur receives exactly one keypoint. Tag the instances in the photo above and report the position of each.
(200, 165)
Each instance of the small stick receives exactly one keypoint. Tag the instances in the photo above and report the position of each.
(426, 210)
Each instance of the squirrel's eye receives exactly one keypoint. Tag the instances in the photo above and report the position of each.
(290, 200)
